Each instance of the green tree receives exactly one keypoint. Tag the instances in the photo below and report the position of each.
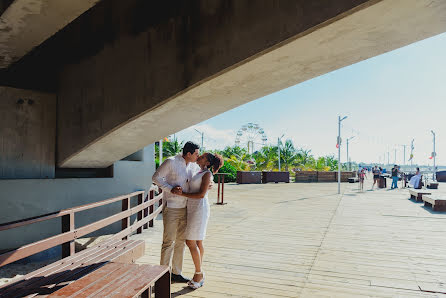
(331, 162)
(288, 154)
(230, 170)
(304, 159)
(266, 158)
(170, 148)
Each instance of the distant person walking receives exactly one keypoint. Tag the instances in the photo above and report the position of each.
(395, 177)
(361, 179)
(376, 173)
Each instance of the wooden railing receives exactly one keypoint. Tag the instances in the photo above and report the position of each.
(145, 215)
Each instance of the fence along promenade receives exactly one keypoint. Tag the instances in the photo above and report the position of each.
(116, 248)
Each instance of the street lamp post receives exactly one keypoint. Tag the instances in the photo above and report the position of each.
(202, 136)
(404, 155)
(161, 151)
(339, 152)
(348, 160)
(434, 155)
(278, 149)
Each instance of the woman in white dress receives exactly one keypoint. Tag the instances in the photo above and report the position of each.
(198, 211)
(416, 179)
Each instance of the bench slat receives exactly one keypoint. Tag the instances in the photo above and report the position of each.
(49, 280)
(82, 282)
(76, 260)
(107, 276)
(139, 283)
(122, 281)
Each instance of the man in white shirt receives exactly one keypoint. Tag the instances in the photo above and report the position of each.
(172, 177)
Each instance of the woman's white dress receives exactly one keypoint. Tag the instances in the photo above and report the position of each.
(415, 180)
(197, 210)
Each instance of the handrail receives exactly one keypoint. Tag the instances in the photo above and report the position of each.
(60, 213)
(144, 209)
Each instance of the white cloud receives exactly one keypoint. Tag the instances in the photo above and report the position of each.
(214, 138)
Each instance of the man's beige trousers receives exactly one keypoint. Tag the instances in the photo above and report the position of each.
(174, 220)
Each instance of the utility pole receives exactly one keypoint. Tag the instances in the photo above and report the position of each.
(339, 152)
(404, 155)
(395, 157)
(348, 159)
(434, 155)
(161, 151)
(278, 149)
(202, 136)
(388, 158)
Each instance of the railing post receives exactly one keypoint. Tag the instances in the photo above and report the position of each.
(146, 210)
(68, 248)
(218, 192)
(160, 191)
(140, 198)
(125, 222)
(152, 195)
(222, 188)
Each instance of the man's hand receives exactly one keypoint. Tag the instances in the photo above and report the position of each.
(211, 184)
(177, 190)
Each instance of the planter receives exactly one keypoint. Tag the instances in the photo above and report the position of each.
(246, 177)
(305, 176)
(275, 177)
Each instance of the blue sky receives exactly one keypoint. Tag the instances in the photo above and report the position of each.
(389, 99)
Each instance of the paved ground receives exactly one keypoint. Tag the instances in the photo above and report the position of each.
(303, 240)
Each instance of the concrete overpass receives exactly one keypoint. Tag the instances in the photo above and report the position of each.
(126, 73)
(86, 83)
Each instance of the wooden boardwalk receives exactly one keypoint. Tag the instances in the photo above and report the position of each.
(303, 240)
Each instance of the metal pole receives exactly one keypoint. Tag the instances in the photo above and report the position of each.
(349, 166)
(339, 154)
(278, 150)
(388, 158)
(434, 156)
(202, 136)
(395, 155)
(404, 155)
(161, 151)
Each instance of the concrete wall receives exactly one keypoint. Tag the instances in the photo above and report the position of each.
(27, 134)
(22, 198)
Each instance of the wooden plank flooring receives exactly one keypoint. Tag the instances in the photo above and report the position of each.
(303, 240)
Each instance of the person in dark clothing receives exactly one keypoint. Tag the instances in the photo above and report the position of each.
(395, 177)
(376, 173)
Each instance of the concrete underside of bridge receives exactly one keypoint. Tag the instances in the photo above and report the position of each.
(127, 73)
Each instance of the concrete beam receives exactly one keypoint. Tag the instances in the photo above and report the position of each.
(25, 24)
(364, 31)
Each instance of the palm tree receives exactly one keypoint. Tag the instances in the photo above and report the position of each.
(230, 151)
(170, 148)
(288, 154)
(266, 158)
(304, 159)
(331, 162)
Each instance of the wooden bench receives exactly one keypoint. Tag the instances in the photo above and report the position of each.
(432, 185)
(436, 202)
(353, 180)
(118, 248)
(120, 280)
(417, 195)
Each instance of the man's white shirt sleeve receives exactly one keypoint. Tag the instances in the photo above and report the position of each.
(159, 178)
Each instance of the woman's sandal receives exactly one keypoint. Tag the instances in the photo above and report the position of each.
(196, 284)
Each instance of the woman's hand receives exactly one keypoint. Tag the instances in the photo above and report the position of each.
(177, 190)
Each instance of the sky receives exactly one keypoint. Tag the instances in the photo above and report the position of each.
(389, 100)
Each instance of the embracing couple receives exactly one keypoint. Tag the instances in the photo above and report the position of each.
(185, 180)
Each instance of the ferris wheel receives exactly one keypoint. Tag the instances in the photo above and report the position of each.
(251, 135)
